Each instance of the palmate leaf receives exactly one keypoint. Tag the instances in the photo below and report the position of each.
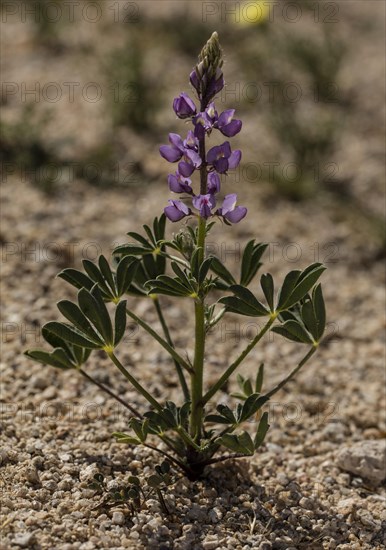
(94, 308)
(294, 331)
(250, 264)
(241, 444)
(169, 286)
(244, 302)
(297, 284)
(56, 358)
(111, 285)
(148, 249)
(71, 334)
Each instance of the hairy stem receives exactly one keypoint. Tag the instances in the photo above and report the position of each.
(230, 370)
(169, 340)
(160, 340)
(140, 389)
(110, 393)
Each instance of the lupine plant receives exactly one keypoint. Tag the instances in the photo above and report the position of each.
(198, 431)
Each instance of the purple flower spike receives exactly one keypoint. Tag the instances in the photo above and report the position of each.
(183, 106)
(227, 125)
(179, 184)
(174, 151)
(229, 211)
(222, 158)
(204, 203)
(176, 210)
(214, 183)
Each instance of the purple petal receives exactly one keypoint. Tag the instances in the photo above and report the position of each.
(221, 165)
(213, 154)
(226, 149)
(214, 183)
(176, 210)
(186, 169)
(231, 129)
(193, 157)
(225, 117)
(234, 159)
(237, 214)
(229, 203)
(170, 153)
(176, 141)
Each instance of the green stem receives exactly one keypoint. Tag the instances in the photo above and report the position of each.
(140, 389)
(230, 370)
(160, 340)
(169, 340)
(110, 393)
(197, 375)
(292, 373)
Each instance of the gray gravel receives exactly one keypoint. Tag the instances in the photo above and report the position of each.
(56, 429)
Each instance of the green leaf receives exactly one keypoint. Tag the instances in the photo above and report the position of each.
(107, 274)
(289, 283)
(242, 443)
(56, 358)
(221, 271)
(250, 262)
(91, 304)
(305, 282)
(320, 310)
(309, 318)
(154, 481)
(70, 334)
(126, 438)
(125, 274)
(203, 272)
(292, 330)
(261, 431)
(244, 302)
(73, 314)
(259, 379)
(94, 273)
(251, 405)
(76, 278)
(267, 285)
(120, 322)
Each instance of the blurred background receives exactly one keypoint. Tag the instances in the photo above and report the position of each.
(87, 89)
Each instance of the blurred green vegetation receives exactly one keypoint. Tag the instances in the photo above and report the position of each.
(307, 132)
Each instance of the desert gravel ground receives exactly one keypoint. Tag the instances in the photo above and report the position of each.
(56, 429)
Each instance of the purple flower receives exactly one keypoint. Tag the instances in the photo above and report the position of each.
(183, 106)
(191, 162)
(204, 203)
(214, 183)
(179, 184)
(229, 211)
(202, 125)
(176, 210)
(222, 157)
(174, 151)
(227, 125)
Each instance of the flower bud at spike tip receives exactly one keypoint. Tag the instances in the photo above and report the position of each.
(207, 77)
